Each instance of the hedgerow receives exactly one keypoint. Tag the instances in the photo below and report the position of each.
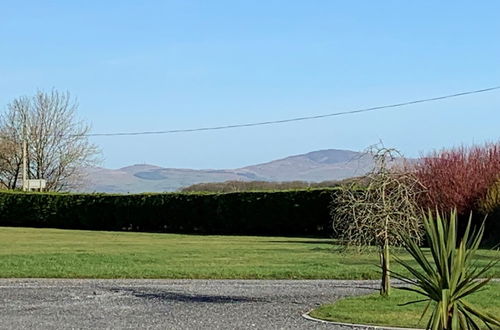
(285, 213)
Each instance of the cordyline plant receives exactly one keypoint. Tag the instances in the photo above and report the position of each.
(379, 213)
(451, 276)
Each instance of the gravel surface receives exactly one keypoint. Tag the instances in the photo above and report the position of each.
(168, 304)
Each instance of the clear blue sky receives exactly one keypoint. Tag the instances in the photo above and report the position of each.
(154, 65)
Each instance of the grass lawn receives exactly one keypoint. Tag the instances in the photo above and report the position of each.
(376, 310)
(28, 252)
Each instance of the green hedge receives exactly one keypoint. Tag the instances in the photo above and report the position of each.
(492, 227)
(288, 213)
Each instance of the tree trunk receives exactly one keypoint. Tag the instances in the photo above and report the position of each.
(385, 285)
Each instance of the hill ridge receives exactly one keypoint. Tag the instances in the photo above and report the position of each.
(314, 166)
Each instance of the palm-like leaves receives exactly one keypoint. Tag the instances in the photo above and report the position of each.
(451, 276)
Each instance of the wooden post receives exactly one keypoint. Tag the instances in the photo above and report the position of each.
(25, 161)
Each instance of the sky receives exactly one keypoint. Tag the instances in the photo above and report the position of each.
(160, 65)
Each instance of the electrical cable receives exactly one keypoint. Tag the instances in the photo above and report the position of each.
(272, 122)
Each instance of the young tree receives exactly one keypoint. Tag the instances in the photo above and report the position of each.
(57, 143)
(380, 212)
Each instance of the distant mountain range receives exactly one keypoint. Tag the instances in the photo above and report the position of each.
(314, 166)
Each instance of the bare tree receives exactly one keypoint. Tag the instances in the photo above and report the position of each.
(379, 213)
(57, 142)
(6, 150)
(13, 128)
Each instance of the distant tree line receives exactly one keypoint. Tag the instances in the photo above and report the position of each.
(241, 186)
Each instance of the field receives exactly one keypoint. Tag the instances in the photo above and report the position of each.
(54, 253)
(377, 310)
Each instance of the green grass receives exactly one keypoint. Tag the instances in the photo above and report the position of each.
(376, 310)
(28, 252)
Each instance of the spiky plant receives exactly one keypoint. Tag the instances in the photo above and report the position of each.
(450, 277)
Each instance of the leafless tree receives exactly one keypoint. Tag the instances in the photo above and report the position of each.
(380, 212)
(6, 151)
(13, 126)
(57, 142)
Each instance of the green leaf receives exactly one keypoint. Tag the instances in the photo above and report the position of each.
(452, 277)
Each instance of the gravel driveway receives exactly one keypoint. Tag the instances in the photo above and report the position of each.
(168, 304)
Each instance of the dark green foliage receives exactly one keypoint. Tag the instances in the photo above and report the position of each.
(281, 213)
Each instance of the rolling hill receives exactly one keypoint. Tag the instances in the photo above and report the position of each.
(316, 166)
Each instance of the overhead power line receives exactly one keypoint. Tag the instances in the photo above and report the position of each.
(272, 122)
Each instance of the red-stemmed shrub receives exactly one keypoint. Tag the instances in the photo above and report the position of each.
(458, 178)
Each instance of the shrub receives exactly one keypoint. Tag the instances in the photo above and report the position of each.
(489, 207)
(287, 213)
(458, 178)
(491, 201)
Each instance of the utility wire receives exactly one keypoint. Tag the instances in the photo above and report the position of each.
(272, 122)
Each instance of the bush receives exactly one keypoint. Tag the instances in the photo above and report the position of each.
(285, 213)
(491, 201)
(489, 207)
(458, 178)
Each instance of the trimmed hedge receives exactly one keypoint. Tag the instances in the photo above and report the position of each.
(492, 227)
(280, 213)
